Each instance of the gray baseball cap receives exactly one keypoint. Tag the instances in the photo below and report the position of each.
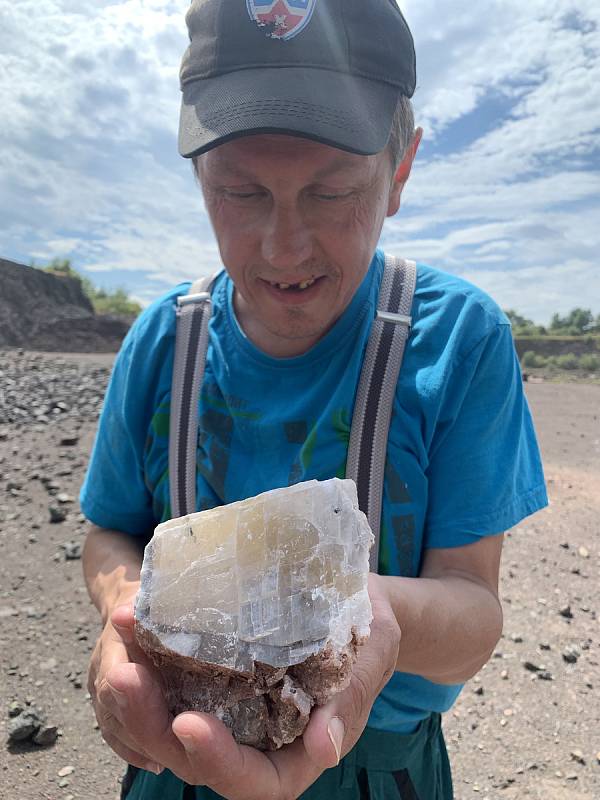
(329, 70)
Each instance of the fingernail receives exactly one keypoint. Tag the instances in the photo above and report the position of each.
(151, 766)
(336, 731)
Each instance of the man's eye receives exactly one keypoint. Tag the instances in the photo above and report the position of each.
(330, 197)
(242, 195)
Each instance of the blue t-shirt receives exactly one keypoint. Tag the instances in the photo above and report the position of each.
(462, 463)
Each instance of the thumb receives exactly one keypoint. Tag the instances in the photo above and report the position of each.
(122, 620)
(326, 737)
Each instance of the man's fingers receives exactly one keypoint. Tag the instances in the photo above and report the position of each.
(208, 746)
(216, 760)
(335, 728)
(122, 619)
(239, 772)
(324, 738)
(296, 768)
(131, 756)
(135, 697)
(113, 732)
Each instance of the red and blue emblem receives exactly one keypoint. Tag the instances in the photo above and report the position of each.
(281, 19)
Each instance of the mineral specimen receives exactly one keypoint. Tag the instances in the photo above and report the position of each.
(254, 611)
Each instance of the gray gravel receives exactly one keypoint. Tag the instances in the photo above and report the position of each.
(526, 726)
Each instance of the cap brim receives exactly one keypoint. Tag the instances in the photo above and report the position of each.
(337, 109)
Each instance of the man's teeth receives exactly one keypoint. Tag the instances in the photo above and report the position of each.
(302, 285)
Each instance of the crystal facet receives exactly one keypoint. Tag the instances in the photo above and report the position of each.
(254, 611)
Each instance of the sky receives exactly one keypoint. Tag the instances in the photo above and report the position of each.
(505, 191)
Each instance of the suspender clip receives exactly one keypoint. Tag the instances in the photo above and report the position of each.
(187, 299)
(398, 319)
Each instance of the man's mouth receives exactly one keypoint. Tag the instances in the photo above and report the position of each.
(297, 286)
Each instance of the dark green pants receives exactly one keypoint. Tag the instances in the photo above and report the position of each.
(381, 766)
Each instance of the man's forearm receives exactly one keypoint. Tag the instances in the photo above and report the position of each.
(111, 567)
(450, 625)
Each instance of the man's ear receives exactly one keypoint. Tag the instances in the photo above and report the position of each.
(402, 173)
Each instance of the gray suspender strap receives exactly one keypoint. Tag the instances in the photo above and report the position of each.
(191, 343)
(376, 391)
(372, 408)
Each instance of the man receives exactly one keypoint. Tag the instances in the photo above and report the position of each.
(297, 117)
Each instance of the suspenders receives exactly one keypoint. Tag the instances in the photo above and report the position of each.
(376, 390)
(372, 409)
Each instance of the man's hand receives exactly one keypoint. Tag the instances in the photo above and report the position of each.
(117, 654)
(201, 750)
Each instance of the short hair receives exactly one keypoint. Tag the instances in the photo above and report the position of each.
(402, 131)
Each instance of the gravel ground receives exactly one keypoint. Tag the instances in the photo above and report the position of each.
(527, 726)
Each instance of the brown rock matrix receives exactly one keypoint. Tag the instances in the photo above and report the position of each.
(255, 611)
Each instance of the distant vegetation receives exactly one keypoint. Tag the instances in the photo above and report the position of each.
(588, 362)
(551, 349)
(578, 322)
(113, 301)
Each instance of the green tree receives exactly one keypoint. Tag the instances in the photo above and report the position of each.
(576, 323)
(114, 301)
(521, 326)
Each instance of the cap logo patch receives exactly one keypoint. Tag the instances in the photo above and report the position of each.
(281, 19)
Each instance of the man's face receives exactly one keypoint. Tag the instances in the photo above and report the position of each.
(297, 223)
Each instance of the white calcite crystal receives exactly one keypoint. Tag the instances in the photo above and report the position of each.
(254, 611)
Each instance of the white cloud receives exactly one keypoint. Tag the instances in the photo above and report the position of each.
(89, 167)
(516, 210)
(538, 292)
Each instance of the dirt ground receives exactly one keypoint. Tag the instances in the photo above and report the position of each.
(527, 726)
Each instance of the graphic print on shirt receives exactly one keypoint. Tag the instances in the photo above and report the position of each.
(318, 435)
(402, 524)
(157, 479)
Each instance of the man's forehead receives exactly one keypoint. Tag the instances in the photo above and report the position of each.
(246, 157)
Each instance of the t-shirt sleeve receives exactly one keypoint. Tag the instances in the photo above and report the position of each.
(484, 472)
(114, 493)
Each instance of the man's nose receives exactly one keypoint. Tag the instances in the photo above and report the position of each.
(286, 239)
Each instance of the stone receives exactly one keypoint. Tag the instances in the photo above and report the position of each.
(72, 550)
(570, 655)
(57, 514)
(70, 440)
(24, 725)
(545, 675)
(577, 755)
(255, 611)
(531, 667)
(46, 735)
(63, 498)
(15, 708)
(64, 771)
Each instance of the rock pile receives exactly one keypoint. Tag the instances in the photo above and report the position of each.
(42, 311)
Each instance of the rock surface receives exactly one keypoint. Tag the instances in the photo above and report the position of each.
(254, 611)
(42, 311)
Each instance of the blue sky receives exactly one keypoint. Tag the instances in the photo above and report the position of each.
(505, 191)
